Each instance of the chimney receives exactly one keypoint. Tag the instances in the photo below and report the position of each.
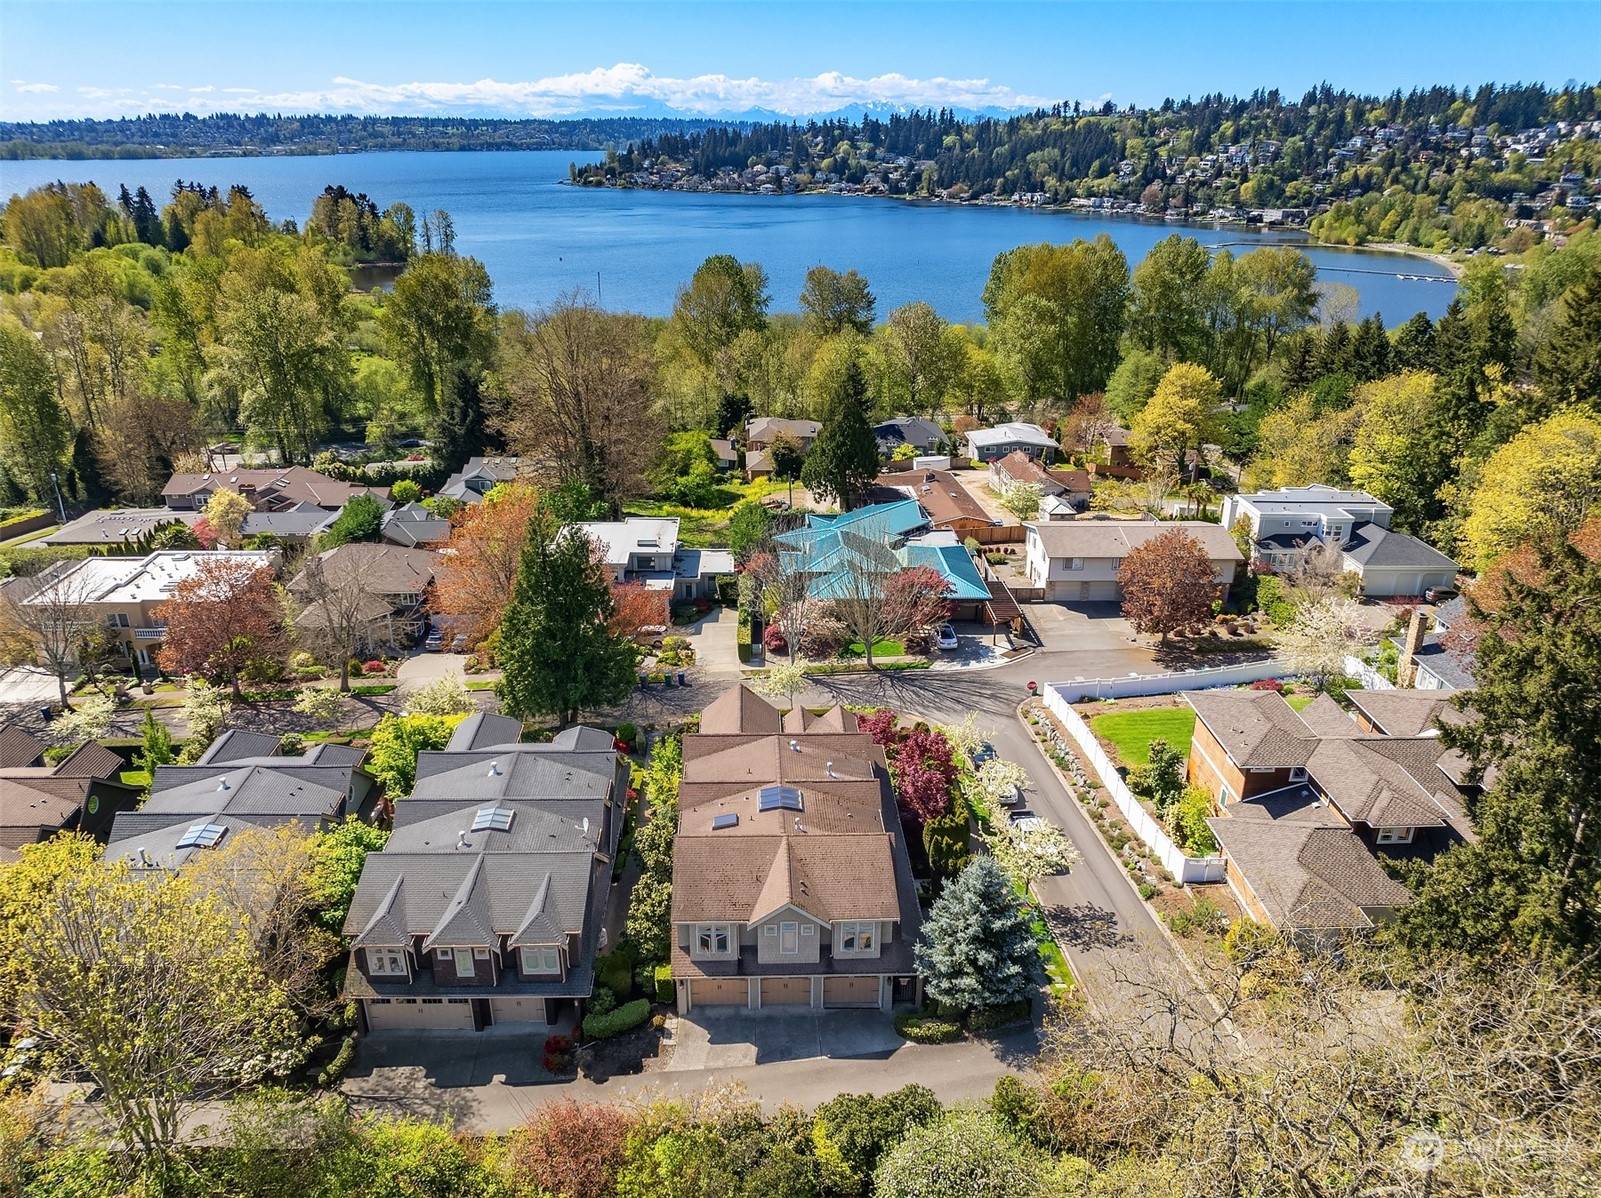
(1406, 668)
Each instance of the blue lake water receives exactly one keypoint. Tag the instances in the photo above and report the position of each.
(540, 238)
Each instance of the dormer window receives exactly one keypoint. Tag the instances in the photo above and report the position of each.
(1395, 835)
(541, 958)
(386, 962)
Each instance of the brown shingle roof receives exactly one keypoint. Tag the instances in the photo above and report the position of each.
(272, 490)
(1306, 875)
(941, 496)
(19, 748)
(33, 804)
(739, 710)
(1255, 728)
(750, 877)
(91, 760)
(1400, 712)
(1369, 787)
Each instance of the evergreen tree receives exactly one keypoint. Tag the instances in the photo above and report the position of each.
(844, 459)
(977, 949)
(1413, 347)
(460, 433)
(1370, 350)
(1568, 366)
(556, 652)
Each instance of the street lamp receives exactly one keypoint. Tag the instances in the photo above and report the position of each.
(60, 507)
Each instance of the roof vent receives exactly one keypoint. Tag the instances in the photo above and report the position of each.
(586, 825)
(223, 785)
(461, 839)
(145, 857)
(794, 746)
(831, 773)
(494, 769)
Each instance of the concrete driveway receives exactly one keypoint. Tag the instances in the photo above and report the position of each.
(27, 686)
(713, 639)
(422, 667)
(715, 1038)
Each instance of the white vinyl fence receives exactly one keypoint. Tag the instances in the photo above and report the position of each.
(1370, 678)
(1080, 689)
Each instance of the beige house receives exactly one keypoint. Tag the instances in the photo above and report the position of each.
(791, 882)
(124, 592)
(1077, 561)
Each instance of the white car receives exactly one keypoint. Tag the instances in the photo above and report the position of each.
(1025, 821)
(1012, 796)
(946, 637)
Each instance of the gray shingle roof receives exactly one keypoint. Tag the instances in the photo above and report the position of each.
(1371, 788)
(1400, 712)
(481, 730)
(1378, 548)
(1118, 538)
(284, 788)
(236, 744)
(1308, 876)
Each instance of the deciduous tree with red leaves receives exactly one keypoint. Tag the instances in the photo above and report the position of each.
(478, 569)
(221, 619)
(575, 1149)
(635, 606)
(1169, 584)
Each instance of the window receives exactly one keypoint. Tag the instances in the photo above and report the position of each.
(1075, 563)
(1116, 562)
(1395, 835)
(481, 953)
(386, 962)
(201, 500)
(117, 619)
(788, 937)
(541, 958)
(711, 939)
(464, 963)
(1298, 774)
(857, 937)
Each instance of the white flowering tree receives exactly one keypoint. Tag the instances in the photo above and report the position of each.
(986, 786)
(1022, 499)
(442, 696)
(782, 680)
(1317, 641)
(1029, 853)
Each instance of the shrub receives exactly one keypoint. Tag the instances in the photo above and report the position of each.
(372, 667)
(1247, 941)
(774, 640)
(624, 1019)
(1188, 821)
(663, 978)
(602, 1001)
(1203, 917)
(1147, 891)
(334, 1069)
(558, 1054)
(354, 665)
(626, 733)
(615, 971)
(1268, 684)
(988, 1019)
(927, 1029)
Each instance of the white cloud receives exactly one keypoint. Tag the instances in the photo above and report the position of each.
(24, 86)
(619, 89)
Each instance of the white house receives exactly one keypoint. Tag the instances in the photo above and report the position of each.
(645, 549)
(990, 444)
(1078, 560)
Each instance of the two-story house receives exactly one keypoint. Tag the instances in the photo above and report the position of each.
(991, 444)
(645, 549)
(1077, 561)
(394, 581)
(921, 434)
(1062, 492)
(1308, 801)
(124, 592)
(759, 434)
(488, 904)
(791, 881)
(480, 476)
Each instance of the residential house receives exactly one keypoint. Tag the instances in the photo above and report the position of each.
(480, 476)
(792, 887)
(270, 490)
(1287, 523)
(836, 551)
(1078, 560)
(727, 453)
(488, 904)
(759, 434)
(82, 793)
(990, 444)
(646, 549)
(1070, 488)
(1308, 802)
(124, 592)
(115, 528)
(925, 436)
(1441, 659)
(240, 782)
(412, 526)
(396, 581)
(942, 497)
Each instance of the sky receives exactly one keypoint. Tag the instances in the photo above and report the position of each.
(70, 59)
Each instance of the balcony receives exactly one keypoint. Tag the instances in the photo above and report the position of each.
(153, 633)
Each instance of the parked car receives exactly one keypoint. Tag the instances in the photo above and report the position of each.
(983, 753)
(946, 637)
(1440, 594)
(458, 643)
(1025, 821)
(1012, 796)
(434, 641)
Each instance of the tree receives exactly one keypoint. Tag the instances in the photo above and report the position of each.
(787, 457)
(1395, 457)
(557, 653)
(225, 512)
(749, 529)
(1029, 853)
(397, 740)
(442, 696)
(1529, 884)
(966, 1152)
(782, 679)
(48, 613)
(220, 619)
(977, 950)
(1169, 584)
(574, 1149)
(476, 578)
(338, 610)
(205, 710)
(339, 852)
(90, 720)
(723, 299)
(1183, 414)
(359, 520)
(1133, 383)
(440, 318)
(844, 459)
(1567, 372)
(636, 607)
(34, 431)
(142, 438)
(1323, 634)
(321, 704)
(921, 359)
(853, 1132)
(157, 749)
(404, 491)
(1022, 499)
(875, 598)
(785, 591)
(151, 983)
(577, 383)
(1161, 778)
(1168, 307)
(1539, 486)
(833, 303)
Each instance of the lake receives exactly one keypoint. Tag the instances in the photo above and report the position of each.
(540, 238)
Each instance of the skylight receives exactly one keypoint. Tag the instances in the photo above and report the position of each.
(778, 798)
(496, 819)
(719, 822)
(203, 836)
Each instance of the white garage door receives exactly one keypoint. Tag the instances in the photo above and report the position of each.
(517, 1009)
(439, 1013)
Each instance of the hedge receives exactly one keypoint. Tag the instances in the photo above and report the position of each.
(23, 560)
(11, 522)
(622, 1019)
(664, 984)
(988, 1019)
(925, 1029)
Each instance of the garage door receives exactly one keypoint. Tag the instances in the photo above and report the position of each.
(719, 992)
(521, 1009)
(786, 992)
(440, 1013)
(850, 992)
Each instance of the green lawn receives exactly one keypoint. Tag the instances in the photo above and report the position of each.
(139, 778)
(1133, 731)
(1298, 702)
(880, 649)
